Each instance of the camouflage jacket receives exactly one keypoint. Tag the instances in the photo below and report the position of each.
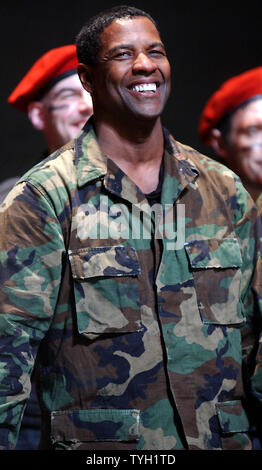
(139, 319)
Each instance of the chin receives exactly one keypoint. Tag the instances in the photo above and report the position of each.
(147, 116)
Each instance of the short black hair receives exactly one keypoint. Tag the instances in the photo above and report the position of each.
(88, 39)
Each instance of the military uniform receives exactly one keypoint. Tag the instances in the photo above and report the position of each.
(139, 338)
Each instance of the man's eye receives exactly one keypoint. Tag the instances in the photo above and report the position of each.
(157, 52)
(122, 55)
(68, 95)
(252, 130)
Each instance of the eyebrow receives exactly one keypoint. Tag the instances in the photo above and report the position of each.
(131, 46)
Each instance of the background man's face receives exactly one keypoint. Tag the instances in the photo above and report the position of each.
(68, 106)
(244, 149)
(132, 77)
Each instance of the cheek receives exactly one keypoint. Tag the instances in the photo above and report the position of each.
(168, 73)
(243, 164)
(106, 92)
(61, 126)
(65, 118)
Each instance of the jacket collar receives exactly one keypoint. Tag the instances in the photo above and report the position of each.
(92, 164)
(180, 172)
(90, 161)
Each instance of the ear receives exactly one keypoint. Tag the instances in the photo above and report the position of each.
(85, 75)
(36, 114)
(218, 143)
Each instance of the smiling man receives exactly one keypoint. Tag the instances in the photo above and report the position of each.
(56, 104)
(231, 123)
(131, 76)
(138, 343)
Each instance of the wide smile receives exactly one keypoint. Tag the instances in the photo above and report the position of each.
(145, 89)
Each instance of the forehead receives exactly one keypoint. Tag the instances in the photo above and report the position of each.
(251, 112)
(129, 30)
(71, 82)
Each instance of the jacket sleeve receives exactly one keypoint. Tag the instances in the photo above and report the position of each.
(248, 228)
(256, 380)
(31, 247)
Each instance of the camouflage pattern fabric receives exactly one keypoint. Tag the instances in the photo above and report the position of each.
(139, 341)
(259, 204)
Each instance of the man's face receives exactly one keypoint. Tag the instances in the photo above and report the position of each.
(67, 106)
(132, 77)
(244, 149)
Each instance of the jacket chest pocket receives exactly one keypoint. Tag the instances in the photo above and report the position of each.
(215, 265)
(106, 290)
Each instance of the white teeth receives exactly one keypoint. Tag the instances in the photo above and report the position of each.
(145, 87)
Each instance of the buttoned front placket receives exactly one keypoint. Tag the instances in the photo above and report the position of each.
(160, 266)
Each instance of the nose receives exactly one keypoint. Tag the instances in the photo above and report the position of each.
(85, 103)
(144, 64)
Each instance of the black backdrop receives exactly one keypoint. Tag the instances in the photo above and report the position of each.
(207, 42)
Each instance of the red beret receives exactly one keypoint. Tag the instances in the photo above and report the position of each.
(229, 96)
(48, 69)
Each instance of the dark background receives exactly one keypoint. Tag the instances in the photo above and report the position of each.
(207, 42)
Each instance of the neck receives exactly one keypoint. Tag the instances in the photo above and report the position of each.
(137, 150)
(52, 144)
(135, 144)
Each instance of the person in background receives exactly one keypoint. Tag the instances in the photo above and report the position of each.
(52, 96)
(231, 123)
(143, 339)
(56, 103)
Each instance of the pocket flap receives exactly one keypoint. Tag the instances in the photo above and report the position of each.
(95, 425)
(232, 417)
(104, 261)
(214, 253)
